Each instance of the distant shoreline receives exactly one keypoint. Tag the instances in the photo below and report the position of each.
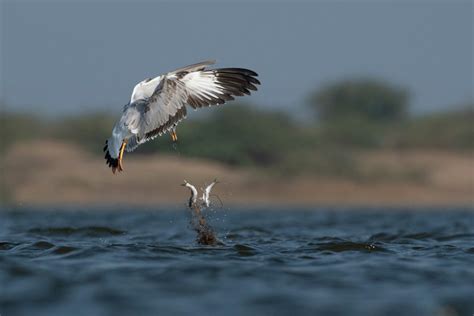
(238, 208)
(53, 173)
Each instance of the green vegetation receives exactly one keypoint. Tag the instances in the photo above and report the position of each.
(17, 127)
(238, 135)
(354, 115)
(449, 130)
(363, 99)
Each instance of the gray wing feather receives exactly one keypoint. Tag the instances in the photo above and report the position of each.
(165, 108)
(161, 112)
(192, 85)
(194, 67)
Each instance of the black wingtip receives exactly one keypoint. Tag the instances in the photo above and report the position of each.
(243, 71)
(111, 162)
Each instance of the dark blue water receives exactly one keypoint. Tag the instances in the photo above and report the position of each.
(326, 262)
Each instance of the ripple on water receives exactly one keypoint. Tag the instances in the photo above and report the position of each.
(454, 237)
(269, 265)
(42, 245)
(247, 232)
(384, 237)
(7, 245)
(245, 251)
(62, 250)
(349, 246)
(88, 231)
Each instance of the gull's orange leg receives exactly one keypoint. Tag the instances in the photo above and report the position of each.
(174, 136)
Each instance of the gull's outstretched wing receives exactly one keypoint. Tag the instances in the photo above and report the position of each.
(162, 101)
(195, 67)
(216, 86)
(207, 191)
(194, 193)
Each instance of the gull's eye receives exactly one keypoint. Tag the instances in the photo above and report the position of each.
(147, 79)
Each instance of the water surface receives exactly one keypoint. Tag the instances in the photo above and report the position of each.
(276, 262)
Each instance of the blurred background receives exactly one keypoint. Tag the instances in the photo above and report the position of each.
(362, 102)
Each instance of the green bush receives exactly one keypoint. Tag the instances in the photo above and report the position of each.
(446, 130)
(89, 131)
(353, 132)
(19, 127)
(368, 99)
(237, 135)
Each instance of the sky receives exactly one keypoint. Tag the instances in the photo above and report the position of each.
(67, 57)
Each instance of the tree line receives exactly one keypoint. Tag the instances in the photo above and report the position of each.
(349, 115)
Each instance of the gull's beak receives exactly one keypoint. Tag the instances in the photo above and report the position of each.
(120, 157)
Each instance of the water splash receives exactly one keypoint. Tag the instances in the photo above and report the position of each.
(205, 233)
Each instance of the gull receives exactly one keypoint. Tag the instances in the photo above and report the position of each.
(158, 104)
(193, 199)
(205, 195)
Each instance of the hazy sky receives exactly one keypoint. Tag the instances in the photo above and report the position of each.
(70, 56)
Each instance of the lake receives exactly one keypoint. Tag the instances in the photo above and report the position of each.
(322, 261)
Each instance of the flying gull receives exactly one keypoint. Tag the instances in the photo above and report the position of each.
(157, 105)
